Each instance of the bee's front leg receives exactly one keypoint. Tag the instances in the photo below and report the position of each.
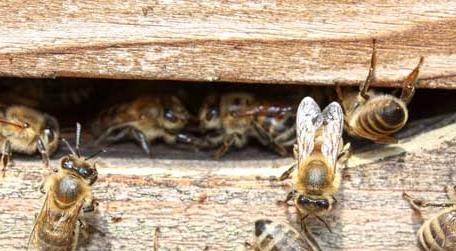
(227, 143)
(6, 155)
(142, 140)
(44, 154)
(90, 205)
(288, 172)
(289, 197)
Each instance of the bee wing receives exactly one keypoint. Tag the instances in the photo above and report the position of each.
(39, 218)
(63, 222)
(332, 131)
(308, 120)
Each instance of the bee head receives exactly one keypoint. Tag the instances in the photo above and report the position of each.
(209, 114)
(78, 166)
(174, 114)
(313, 204)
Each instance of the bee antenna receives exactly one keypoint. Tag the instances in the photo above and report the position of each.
(78, 138)
(96, 153)
(103, 150)
(68, 145)
(324, 222)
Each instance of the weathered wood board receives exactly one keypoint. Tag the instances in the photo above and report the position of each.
(199, 203)
(236, 41)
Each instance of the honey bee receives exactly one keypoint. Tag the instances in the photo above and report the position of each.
(232, 118)
(376, 116)
(319, 156)
(68, 195)
(438, 232)
(144, 119)
(26, 130)
(280, 236)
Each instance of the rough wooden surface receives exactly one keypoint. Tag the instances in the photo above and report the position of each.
(239, 41)
(199, 203)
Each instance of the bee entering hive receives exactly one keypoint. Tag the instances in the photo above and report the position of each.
(202, 162)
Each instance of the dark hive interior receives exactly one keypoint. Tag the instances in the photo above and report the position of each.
(73, 100)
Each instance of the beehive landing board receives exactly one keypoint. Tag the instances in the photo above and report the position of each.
(198, 202)
(237, 41)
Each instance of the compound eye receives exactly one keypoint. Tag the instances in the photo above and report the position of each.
(169, 115)
(50, 134)
(68, 164)
(323, 204)
(212, 113)
(85, 172)
(303, 201)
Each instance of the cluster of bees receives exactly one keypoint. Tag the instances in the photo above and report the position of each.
(224, 121)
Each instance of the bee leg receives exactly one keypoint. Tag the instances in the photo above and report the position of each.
(156, 238)
(303, 221)
(248, 246)
(90, 207)
(106, 135)
(408, 88)
(43, 152)
(324, 222)
(141, 138)
(345, 154)
(118, 136)
(310, 239)
(227, 143)
(364, 87)
(6, 156)
(266, 139)
(417, 203)
(289, 197)
(288, 172)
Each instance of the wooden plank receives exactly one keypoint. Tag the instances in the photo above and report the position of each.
(198, 202)
(306, 42)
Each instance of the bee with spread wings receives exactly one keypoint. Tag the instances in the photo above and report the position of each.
(319, 154)
(68, 194)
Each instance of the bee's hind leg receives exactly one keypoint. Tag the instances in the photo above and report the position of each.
(364, 87)
(417, 204)
(408, 87)
(6, 156)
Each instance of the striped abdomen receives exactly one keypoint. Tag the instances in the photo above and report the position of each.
(439, 233)
(54, 236)
(379, 117)
(272, 236)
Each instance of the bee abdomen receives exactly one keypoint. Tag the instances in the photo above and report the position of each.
(54, 236)
(272, 236)
(439, 233)
(383, 117)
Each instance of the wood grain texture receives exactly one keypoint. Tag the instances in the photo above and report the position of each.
(198, 202)
(306, 42)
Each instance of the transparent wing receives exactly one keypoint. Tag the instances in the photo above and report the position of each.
(308, 120)
(63, 222)
(44, 211)
(333, 125)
